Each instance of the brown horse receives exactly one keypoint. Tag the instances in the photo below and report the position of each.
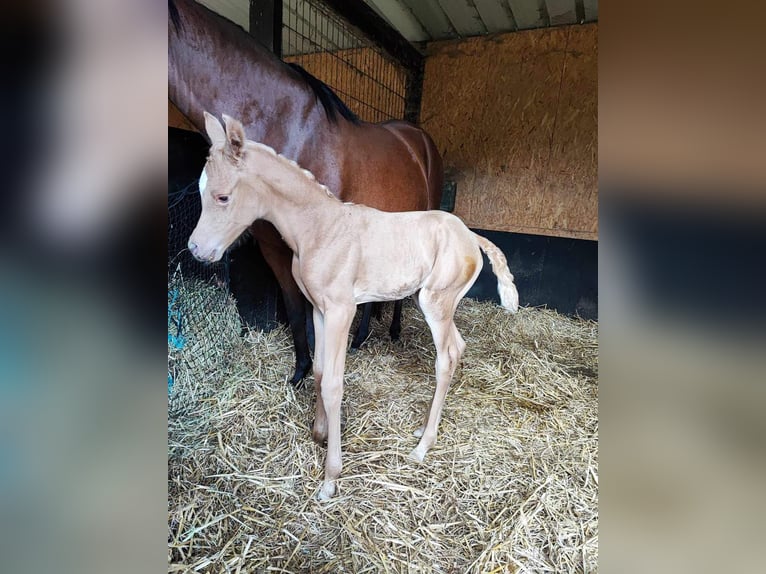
(216, 66)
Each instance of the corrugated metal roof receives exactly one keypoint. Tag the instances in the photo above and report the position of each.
(426, 20)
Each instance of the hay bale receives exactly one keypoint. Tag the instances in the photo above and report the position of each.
(511, 484)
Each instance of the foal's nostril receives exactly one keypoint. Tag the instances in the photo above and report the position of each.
(192, 247)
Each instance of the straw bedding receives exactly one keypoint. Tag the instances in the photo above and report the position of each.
(510, 486)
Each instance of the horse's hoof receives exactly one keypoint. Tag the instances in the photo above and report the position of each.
(298, 377)
(352, 349)
(419, 432)
(327, 491)
(395, 335)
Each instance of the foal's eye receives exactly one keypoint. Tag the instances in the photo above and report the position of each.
(223, 199)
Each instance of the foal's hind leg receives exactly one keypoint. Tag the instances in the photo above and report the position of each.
(449, 350)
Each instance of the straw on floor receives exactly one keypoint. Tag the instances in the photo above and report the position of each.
(510, 486)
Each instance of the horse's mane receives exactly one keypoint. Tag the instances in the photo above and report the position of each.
(174, 16)
(330, 101)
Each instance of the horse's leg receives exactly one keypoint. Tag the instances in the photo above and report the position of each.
(449, 350)
(279, 257)
(396, 321)
(319, 430)
(309, 309)
(363, 330)
(337, 321)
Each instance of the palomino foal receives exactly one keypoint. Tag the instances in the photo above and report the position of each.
(344, 254)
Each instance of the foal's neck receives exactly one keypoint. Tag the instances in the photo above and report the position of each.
(297, 204)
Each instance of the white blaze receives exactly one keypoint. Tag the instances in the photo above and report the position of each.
(202, 182)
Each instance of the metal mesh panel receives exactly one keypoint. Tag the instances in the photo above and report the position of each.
(366, 79)
(203, 323)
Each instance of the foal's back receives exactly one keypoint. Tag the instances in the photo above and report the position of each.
(387, 256)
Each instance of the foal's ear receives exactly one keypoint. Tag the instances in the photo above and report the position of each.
(214, 130)
(235, 134)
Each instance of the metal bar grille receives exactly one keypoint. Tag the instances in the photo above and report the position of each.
(372, 84)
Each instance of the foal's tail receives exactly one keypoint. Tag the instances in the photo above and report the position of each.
(509, 296)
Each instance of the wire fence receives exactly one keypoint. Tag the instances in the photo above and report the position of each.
(371, 84)
(202, 317)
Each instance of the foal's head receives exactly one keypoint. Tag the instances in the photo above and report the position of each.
(229, 205)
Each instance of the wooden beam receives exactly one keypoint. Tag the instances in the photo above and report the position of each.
(266, 23)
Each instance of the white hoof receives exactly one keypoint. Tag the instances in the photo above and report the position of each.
(417, 455)
(419, 433)
(327, 491)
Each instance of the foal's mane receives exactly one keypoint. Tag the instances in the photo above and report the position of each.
(292, 166)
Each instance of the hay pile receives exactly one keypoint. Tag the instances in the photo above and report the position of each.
(511, 484)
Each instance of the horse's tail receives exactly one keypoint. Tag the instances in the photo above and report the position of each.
(509, 296)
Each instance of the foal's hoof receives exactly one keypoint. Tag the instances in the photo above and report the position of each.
(327, 491)
(319, 437)
(416, 455)
(419, 433)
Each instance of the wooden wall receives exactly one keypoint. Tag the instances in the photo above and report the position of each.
(176, 118)
(515, 118)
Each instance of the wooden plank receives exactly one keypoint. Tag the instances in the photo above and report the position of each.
(570, 197)
(521, 138)
(495, 16)
(266, 23)
(523, 84)
(401, 18)
(561, 12)
(527, 14)
(433, 19)
(176, 119)
(464, 17)
(591, 10)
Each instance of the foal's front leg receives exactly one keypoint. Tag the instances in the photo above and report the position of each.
(319, 430)
(337, 321)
